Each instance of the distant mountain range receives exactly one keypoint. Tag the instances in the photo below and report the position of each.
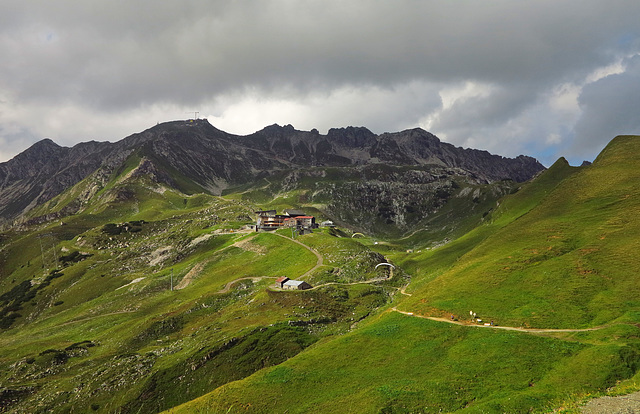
(194, 156)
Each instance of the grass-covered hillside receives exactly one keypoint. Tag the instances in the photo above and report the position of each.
(89, 321)
(149, 299)
(553, 268)
(569, 262)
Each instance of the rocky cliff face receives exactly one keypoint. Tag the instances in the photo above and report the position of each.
(44, 171)
(213, 160)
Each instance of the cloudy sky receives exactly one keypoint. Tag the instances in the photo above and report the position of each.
(546, 78)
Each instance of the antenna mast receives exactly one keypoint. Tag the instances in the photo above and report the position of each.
(195, 114)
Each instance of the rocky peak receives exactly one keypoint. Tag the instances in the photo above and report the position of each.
(277, 130)
(35, 160)
(214, 160)
(353, 137)
(39, 151)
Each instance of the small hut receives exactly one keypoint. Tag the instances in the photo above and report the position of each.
(296, 285)
(281, 281)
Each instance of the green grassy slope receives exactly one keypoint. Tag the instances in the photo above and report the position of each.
(559, 253)
(88, 321)
(427, 264)
(400, 364)
(568, 262)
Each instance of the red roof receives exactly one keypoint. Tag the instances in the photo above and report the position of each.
(299, 217)
(281, 279)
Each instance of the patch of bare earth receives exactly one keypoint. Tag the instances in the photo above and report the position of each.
(624, 404)
(248, 245)
(160, 255)
(195, 271)
(200, 239)
(245, 244)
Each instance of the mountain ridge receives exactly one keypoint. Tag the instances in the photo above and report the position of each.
(216, 160)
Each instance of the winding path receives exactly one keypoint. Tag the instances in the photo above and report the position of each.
(227, 287)
(361, 282)
(198, 268)
(195, 271)
(319, 263)
(318, 255)
(403, 290)
(506, 328)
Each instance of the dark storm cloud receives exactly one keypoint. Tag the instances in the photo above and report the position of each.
(121, 53)
(130, 61)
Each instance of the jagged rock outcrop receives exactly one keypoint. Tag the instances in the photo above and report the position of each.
(214, 160)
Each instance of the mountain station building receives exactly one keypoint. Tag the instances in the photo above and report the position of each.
(270, 220)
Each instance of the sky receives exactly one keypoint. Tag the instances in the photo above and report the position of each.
(545, 78)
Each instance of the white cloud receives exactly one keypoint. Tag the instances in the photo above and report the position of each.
(451, 95)
(614, 68)
(564, 99)
(609, 107)
(379, 109)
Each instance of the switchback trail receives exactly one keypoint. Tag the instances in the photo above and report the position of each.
(318, 264)
(195, 271)
(506, 328)
(361, 282)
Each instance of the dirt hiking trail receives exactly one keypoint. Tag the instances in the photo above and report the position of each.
(506, 328)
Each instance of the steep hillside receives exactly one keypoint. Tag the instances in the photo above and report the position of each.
(403, 364)
(387, 201)
(151, 297)
(552, 274)
(568, 262)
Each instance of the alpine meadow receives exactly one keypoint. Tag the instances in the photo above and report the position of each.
(184, 269)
